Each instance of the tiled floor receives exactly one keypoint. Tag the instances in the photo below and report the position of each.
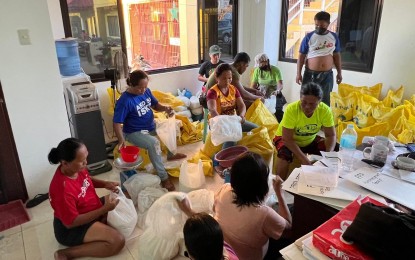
(35, 239)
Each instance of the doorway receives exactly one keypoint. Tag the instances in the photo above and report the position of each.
(12, 184)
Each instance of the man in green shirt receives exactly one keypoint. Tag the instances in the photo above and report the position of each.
(297, 132)
(239, 66)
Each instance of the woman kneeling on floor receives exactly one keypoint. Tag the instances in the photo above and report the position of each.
(249, 226)
(79, 215)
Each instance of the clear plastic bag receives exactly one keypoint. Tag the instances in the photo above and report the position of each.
(163, 228)
(146, 198)
(139, 182)
(124, 217)
(225, 128)
(271, 103)
(191, 176)
(202, 200)
(166, 131)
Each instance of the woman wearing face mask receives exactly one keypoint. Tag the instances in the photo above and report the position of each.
(266, 77)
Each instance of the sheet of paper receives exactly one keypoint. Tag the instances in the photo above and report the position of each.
(312, 250)
(345, 191)
(320, 176)
(291, 185)
(407, 176)
(399, 191)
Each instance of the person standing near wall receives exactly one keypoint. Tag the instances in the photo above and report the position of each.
(319, 51)
(207, 67)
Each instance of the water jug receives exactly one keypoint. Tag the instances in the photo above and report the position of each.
(68, 56)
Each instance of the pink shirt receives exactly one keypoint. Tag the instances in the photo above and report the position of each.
(247, 229)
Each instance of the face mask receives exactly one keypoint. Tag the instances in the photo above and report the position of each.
(265, 67)
(320, 30)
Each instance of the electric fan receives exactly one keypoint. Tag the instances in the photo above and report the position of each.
(117, 75)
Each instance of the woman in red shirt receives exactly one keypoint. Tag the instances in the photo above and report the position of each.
(79, 215)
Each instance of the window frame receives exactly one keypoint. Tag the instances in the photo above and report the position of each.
(99, 77)
(358, 67)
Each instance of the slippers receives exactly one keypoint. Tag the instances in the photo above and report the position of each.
(37, 200)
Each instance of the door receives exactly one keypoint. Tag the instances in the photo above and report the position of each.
(12, 185)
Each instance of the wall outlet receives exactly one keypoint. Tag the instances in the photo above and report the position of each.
(24, 37)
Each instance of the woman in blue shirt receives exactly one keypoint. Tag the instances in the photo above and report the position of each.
(134, 122)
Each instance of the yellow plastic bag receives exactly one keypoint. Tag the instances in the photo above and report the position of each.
(143, 153)
(209, 149)
(206, 160)
(190, 132)
(374, 91)
(376, 129)
(393, 98)
(404, 131)
(259, 142)
(167, 99)
(111, 108)
(259, 114)
(363, 110)
(391, 118)
(412, 99)
(342, 107)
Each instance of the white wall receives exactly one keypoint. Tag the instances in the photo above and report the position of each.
(251, 22)
(394, 63)
(32, 87)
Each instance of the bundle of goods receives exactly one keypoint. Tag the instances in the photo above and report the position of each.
(392, 116)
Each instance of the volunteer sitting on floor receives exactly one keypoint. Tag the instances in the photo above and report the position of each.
(203, 238)
(249, 226)
(238, 67)
(79, 215)
(224, 99)
(133, 111)
(297, 132)
(266, 77)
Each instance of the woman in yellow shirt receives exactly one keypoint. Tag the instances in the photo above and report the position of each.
(224, 99)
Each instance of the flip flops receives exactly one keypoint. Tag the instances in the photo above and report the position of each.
(37, 200)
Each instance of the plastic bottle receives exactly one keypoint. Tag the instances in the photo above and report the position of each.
(348, 147)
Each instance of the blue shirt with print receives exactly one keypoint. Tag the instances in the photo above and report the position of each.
(134, 111)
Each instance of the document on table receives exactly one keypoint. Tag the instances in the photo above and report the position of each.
(345, 190)
(320, 176)
(399, 191)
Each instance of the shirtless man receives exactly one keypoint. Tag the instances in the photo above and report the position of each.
(319, 51)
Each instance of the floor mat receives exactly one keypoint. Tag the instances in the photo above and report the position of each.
(12, 214)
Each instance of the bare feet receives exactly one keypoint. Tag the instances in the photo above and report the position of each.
(59, 256)
(167, 184)
(177, 156)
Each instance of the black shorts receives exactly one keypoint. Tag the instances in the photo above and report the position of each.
(71, 236)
